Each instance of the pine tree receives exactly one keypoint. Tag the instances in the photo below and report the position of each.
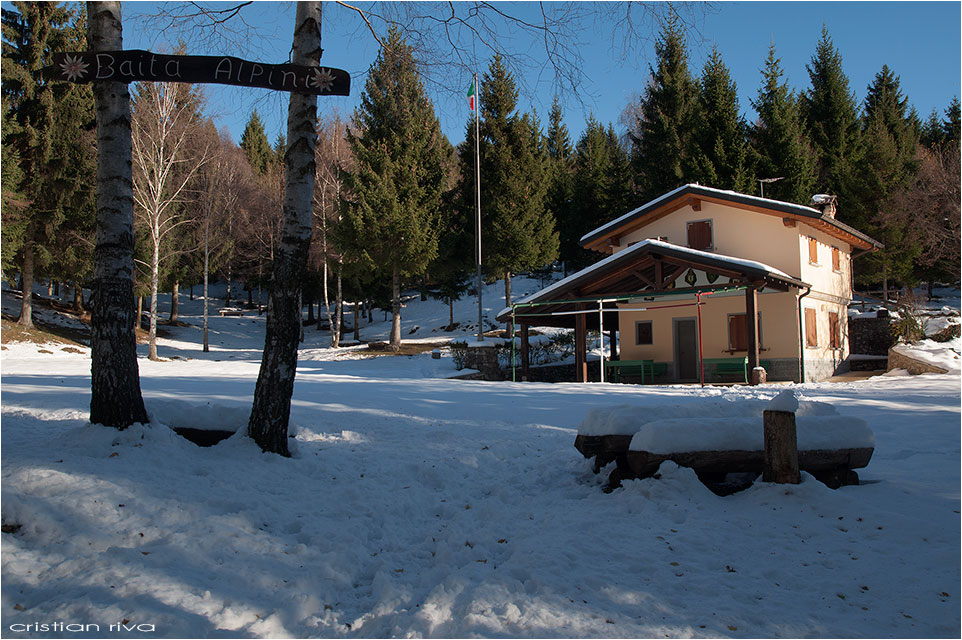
(14, 204)
(952, 122)
(779, 144)
(602, 187)
(889, 165)
(662, 136)
(31, 33)
(721, 158)
(561, 172)
(75, 144)
(518, 231)
(831, 119)
(396, 185)
(256, 147)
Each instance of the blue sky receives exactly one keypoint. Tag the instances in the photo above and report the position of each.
(920, 41)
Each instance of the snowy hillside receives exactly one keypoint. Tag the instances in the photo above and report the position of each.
(421, 506)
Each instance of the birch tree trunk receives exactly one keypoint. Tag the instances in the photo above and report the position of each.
(154, 286)
(115, 398)
(395, 342)
(206, 271)
(270, 413)
(338, 310)
(26, 286)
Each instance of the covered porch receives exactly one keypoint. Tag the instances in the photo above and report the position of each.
(653, 276)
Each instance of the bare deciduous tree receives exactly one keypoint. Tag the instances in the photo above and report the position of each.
(332, 155)
(165, 119)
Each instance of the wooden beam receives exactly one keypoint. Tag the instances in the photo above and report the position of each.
(672, 276)
(581, 353)
(789, 222)
(525, 364)
(643, 278)
(695, 204)
(751, 320)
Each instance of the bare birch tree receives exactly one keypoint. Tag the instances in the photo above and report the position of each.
(275, 381)
(115, 397)
(165, 119)
(331, 156)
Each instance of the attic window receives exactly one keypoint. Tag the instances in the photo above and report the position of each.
(812, 250)
(836, 260)
(700, 235)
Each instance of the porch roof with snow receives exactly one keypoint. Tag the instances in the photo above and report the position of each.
(694, 194)
(646, 268)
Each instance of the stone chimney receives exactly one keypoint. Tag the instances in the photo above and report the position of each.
(825, 203)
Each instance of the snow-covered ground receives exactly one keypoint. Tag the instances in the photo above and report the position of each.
(417, 505)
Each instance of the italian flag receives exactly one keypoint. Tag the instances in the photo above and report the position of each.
(471, 95)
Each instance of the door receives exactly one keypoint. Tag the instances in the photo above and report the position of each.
(686, 348)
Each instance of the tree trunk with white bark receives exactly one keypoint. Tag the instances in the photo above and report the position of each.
(270, 413)
(115, 398)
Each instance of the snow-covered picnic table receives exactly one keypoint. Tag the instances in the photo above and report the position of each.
(719, 437)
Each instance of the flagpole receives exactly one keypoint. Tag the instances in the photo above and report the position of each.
(477, 165)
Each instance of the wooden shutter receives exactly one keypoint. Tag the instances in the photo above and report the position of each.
(699, 235)
(813, 250)
(834, 337)
(811, 328)
(738, 332)
(836, 260)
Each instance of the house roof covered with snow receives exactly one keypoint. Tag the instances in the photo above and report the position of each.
(646, 267)
(691, 193)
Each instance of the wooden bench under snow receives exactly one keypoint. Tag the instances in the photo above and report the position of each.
(717, 438)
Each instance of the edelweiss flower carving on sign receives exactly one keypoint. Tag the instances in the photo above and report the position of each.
(323, 79)
(73, 68)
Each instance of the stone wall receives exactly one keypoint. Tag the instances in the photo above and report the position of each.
(870, 336)
(915, 367)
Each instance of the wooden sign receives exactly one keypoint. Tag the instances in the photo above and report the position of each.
(136, 65)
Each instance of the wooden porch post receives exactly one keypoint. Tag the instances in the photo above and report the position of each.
(581, 355)
(751, 321)
(525, 370)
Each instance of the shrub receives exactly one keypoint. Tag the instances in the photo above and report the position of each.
(459, 353)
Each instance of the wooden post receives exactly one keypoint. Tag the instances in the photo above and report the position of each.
(751, 322)
(525, 353)
(613, 343)
(581, 355)
(781, 448)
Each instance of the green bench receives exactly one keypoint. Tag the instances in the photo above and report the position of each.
(733, 366)
(614, 369)
(647, 370)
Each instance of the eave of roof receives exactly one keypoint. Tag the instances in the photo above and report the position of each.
(674, 199)
(749, 269)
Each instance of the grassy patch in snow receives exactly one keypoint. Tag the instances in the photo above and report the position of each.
(41, 333)
(407, 348)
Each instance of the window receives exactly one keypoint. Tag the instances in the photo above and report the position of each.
(643, 334)
(699, 235)
(813, 251)
(836, 259)
(738, 332)
(811, 329)
(834, 337)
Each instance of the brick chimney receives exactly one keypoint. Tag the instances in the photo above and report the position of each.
(825, 203)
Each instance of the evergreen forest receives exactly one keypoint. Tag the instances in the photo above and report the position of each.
(394, 200)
